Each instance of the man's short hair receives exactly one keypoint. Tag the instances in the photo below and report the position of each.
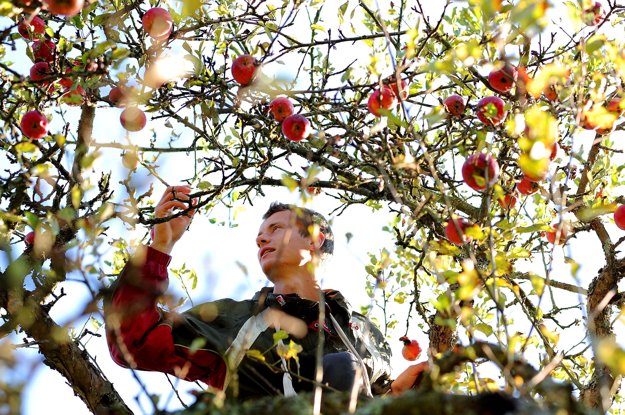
(307, 217)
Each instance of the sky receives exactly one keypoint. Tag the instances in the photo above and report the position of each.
(225, 258)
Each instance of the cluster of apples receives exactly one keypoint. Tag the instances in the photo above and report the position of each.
(481, 171)
(295, 127)
(34, 124)
(157, 24)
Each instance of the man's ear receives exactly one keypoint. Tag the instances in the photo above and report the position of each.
(318, 241)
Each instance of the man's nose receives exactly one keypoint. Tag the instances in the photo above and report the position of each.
(261, 240)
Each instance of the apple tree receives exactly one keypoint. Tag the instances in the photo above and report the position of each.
(491, 132)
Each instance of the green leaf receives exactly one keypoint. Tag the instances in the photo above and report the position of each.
(587, 214)
(120, 53)
(534, 228)
(484, 328)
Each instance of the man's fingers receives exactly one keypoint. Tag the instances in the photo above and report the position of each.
(175, 192)
(193, 204)
(165, 208)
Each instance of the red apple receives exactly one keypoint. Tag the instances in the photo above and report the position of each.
(29, 239)
(502, 80)
(507, 201)
(67, 8)
(554, 151)
(44, 51)
(550, 93)
(116, 96)
(619, 217)
(593, 15)
(130, 160)
(133, 119)
(281, 108)
(451, 232)
(411, 349)
(490, 110)
(74, 97)
(589, 124)
(34, 125)
(296, 127)
(560, 235)
(480, 171)
(615, 105)
(454, 105)
(35, 28)
(40, 71)
(382, 98)
(527, 186)
(405, 90)
(523, 80)
(157, 23)
(67, 83)
(244, 68)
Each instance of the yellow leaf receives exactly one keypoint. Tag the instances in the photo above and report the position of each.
(290, 351)
(255, 354)
(189, 7)
(538, 284)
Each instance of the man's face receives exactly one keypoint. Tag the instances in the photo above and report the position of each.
(281, 246)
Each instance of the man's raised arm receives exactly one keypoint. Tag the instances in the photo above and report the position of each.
(139, 334)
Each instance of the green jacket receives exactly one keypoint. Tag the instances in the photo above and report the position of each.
(207, 342)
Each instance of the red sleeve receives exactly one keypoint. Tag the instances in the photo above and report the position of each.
(138, 335)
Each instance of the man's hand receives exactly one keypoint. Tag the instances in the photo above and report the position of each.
(166, 234)
(407, 378)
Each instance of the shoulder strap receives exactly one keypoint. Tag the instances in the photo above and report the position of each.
(245, 338)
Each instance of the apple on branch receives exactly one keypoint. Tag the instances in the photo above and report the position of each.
(130, 160)
(507, 201)
(411, 349)
(455, 230)
(527, 186)
(40, 72)
(244, 69)
(480, 171)
(559, 234)
(34, 125)
(503, 79)
(133, 119)
(490, 110)
(619, 217)
(44, 51)
(29, 239)
(281, 108)
(74, 97)
(66, 8)
(454, 105)
(392, 82)
(31, 28)
(158, 23)
(550, 93)
(382, 99)
(296, 127)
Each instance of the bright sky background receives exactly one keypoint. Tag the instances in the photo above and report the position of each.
(215, 252)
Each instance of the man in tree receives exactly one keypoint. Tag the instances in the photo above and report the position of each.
(264, 346)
